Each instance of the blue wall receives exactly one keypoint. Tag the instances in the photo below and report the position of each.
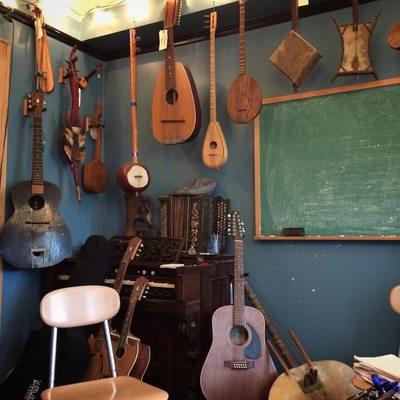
(21, 288)
(333, 294)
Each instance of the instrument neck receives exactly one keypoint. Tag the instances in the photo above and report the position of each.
(170, 78)
(128, 319)
(242, 44)
(295, 15)
(134, 123)
(356, 14)
(213, 99)
(238, 300)
(37, 157)
(74, 88)
(99, 144)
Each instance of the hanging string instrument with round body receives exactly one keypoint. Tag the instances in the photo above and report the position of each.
(133, 177)
(244, 96)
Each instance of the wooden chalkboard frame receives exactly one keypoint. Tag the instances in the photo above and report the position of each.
(257, 175)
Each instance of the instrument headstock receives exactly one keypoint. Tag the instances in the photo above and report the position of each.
(210, 22)
(140, 288)
(173, 13)
(242, 2)
(35, 104)
(132, 249)
(236, 227)
(134, 40)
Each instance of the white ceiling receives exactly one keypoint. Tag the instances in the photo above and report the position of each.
(85, 19)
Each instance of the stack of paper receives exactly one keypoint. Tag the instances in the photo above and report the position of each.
(387, 366)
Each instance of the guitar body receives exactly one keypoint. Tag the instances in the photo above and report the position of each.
(98, 360)
(244, 99)
(94, 176)
(176, 114)
(394, 36)
(142, 361)
(35, 236)
(215, 150)
(221, 382)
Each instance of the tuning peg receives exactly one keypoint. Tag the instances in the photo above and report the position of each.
(138, 50)
(141, 245)
(138, 39)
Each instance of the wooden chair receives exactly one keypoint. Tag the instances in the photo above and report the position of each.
(87, 305)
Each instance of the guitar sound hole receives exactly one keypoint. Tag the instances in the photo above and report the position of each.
(238, 335)
(172, 96)
(213, 145)
(120, 352)
(36, 202)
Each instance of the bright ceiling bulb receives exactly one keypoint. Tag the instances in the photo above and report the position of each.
(10, 3)
(101, 16)
(54, 8)
(137, 9)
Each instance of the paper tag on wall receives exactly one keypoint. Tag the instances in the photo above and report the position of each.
(163, 39)
(303, 3)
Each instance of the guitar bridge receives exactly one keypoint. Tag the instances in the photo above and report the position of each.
(239, 365)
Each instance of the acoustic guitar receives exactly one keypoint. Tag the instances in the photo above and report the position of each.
(215, 151)
(238, 365)
(133, 177)
(176, 114)
(94, 172)
(35, 236)
(244, 95)
(99, 357)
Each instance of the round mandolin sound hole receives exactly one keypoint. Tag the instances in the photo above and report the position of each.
(36, 202)
(171, 96)
(213, 145)
(120, 352)
(238, 335)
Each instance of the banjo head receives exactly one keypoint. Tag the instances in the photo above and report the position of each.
(133, 177)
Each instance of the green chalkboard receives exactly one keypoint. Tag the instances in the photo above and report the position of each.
(329, 161)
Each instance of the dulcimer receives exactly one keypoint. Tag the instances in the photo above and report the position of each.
(133, 177)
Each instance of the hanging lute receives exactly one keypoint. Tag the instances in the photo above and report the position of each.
(133, 177)
(244, 95)
(176, 114)
(215, 151)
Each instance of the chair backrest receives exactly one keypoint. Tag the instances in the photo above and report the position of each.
(79, 306)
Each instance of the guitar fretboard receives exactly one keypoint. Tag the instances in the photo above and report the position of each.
(213, 100)
(242, 45)
(170, 79)
(37, 152)
(238, 301)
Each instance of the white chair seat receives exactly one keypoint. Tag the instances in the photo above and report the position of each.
(118, 388)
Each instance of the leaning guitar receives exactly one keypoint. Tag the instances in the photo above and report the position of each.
(98, 366)
(238, 365)
(35, 236)
(176, 114)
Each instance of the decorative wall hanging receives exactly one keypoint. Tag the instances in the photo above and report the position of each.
(356, 39)
(295, 57)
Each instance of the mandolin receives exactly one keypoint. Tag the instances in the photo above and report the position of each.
(215, 151)
(133, 177)
(94, 172)
(176, 114)
(244, 95)
(98, 364)
(238, 365)
(35, 236)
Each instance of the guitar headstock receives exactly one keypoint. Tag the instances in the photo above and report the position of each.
(34, 104)
(210, 22)
(236, 225)
(132, 249)
(173, 13)
(140, 288)
(134, 40)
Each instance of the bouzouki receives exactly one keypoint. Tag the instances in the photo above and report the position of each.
(238, 365)
(176, 114)
(99, 356)
(244, 95)
(133, 177)
(94, 172)
(35, 236)
(215, 151)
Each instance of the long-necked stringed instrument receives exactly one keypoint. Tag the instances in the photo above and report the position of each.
(215, 151)
(176, 114)
(35, 236)
(238, 365)
(94, 172)
(99, 359)
(244, 95)
(133, 177)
